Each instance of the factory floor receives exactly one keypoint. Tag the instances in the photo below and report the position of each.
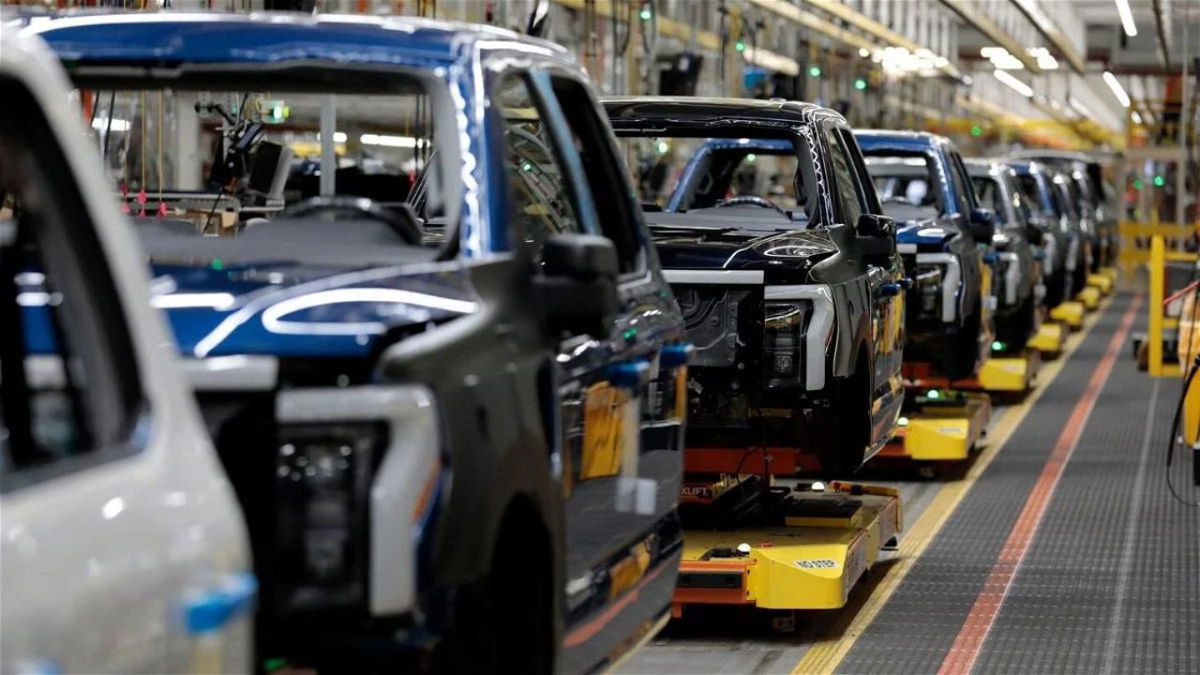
(1057, 547)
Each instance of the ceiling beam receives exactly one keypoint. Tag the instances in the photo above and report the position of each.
(1053, 34)
(970, 13)
(1164, 39)
(851, 16)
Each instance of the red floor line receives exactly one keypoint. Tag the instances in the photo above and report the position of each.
(970, 639)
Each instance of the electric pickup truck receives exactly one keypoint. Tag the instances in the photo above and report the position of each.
(122, 545)
(450, 410)
(1093, 195)
(945, 238)
(1048, 193)
(1019, 249)
(786, 271)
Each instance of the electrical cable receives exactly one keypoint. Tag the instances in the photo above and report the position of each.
(1190, 375)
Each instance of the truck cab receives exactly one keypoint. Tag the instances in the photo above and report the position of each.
(786, 271)
(1019, 248)
(1046, 189)
(946, 240)
(123, 545)
(424, 320)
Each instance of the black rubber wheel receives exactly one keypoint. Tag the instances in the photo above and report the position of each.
(1017, 327)
(960, 360)
(846, 432)
(504, 622)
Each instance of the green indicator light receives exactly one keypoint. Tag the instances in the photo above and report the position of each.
(1137, 184)
(526, 166)
(815, 71)
(1159, 181)
(629, 334)
(933, 394)
(751, 157)
(740, 46)
(274, 664)
(663, 147)
(645, 13)
(976, 130)
(218, 264)
(998, 346)
(860, 84)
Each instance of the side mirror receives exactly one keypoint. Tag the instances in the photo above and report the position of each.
(982, 225)
(876, 237)
(577, 287)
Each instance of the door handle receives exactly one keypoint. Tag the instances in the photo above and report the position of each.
(209, 610)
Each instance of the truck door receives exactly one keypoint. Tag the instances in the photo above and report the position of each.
(886, 299)
(120, 548)
(620, 443)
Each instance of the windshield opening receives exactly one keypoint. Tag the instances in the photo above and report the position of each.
(297, 166)
(907, 184)
(745, 183)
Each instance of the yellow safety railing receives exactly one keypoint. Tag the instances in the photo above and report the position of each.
(1157, 260)
(1134, 248)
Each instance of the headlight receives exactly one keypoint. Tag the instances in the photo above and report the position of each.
(927, 290)
(323, 478)
(783, 330)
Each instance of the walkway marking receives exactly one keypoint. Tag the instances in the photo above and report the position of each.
(826, 653)
(975, 629)
(1127, 547)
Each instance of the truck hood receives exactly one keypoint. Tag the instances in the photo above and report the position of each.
(934, 234)
(284, 309)
(288, 309)
(796, 250)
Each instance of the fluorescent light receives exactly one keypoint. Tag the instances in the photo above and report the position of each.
(1045, 59)
(1013, 83)
(1079, 107)
(391, 141)
(1137, 119)
(1126, 17)
(1117, 89)
(101, 123)
(338, 137)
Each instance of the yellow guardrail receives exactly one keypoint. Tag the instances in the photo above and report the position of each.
(1157, 260)
(1134, 249)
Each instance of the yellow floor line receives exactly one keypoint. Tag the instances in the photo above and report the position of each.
(827, 651)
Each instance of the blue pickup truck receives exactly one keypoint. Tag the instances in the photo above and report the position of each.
(946, 240)
(441, 376)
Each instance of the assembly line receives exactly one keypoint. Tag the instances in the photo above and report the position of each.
(360, 342)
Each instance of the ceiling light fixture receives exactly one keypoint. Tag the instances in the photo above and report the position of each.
(1013, 83)
(1117, 90)
(1126, 17)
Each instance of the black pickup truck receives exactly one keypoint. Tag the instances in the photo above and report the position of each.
(449, 416)
(792, 293)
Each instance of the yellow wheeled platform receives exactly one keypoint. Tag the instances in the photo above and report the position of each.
(1070, 313)
(1090, 297)
(1049, 339)
(1101, 282)
(942, 429)
(820, 546)
(1009, 373)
